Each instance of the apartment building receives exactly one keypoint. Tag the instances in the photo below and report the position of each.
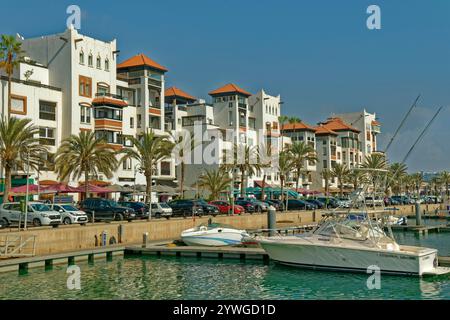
(88, 89)
(33, 97)
(329, 153)
(302, 132)
(368, 126)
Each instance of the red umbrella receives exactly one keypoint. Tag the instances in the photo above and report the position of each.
(93, 189)
(62, 188)
(23, 189)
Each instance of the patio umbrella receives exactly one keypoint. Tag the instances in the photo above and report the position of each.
(93, 189)
(61, 188)
(119, 188)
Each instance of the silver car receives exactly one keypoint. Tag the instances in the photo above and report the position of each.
(70, 214)
(39, 214)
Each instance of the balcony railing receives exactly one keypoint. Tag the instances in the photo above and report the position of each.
(109, 95)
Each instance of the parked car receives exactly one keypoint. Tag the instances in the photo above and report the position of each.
(315, 206)
(70, 214)
(344, 202)
(329, 202)
(247, 205)
(403, 199)
(226, 208)
(161, 210)
(319, 204)
(39, 214)
(260, 206)
(370, 202)
(102, 209)
(296, 204)
(279, 204)
(185, 208)
(208, 208)
(140, 208)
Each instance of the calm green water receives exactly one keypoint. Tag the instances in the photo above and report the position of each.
(191, 278)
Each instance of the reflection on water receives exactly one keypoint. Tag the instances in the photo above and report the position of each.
(192, 278)
(439, 241)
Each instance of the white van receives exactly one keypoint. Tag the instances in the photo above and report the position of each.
(39, 214)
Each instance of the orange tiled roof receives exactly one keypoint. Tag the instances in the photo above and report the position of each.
(175, 92)
(322, 130)
(375, 123)
(297, 126)
(337, 124)
(141, 60)
(230, 88)
(105, 100)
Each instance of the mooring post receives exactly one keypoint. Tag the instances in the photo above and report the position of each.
(271, 221)
(418, 215)
(145, 240)
(120, 233)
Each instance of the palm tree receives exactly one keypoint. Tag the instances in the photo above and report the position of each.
(301, 152)
(184, 145)
(18, 146)
(396, 176)
(149, 149)
(10, 55)
(375, 164)
(84, 155)
(356, 178)
(341, 172)
(444, 176)
(284, 168)
(246, 160)
(436, 181)
(417, 179)
(215, 181)
(327, 175)
(265, 153)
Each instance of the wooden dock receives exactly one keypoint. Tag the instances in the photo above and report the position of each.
(422, 229)
(240, 253)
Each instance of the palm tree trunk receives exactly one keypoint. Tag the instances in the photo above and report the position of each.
(86, 184)
(341, 187)
(182, 180)
(297, 183)
(148, 193)
(7, 183)
(263, 187)
(242, 182)
(9, 94)
(282, 187)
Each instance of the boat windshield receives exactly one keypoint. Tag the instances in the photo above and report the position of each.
(214, 225)
(347, 227)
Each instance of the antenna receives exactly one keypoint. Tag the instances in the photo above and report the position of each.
(402, 123)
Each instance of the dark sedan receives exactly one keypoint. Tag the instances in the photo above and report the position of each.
(140, 208)
(295, 204)
(247, 205)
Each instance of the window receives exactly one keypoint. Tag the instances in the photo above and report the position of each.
(108, 113)
(102, 88)
(252, 123)
(18, 105)
(131, 122)
(324, 151)
(90, 60)
(230, 117)
(230, 105)
(85, 88)
(85, 113)
(106, 64)
(47, 136)
(139, 120)
(154, 122)
(99, 63)
(324, 164)
(165, 168)
(81, 57)
(47, 110)
(127, 164)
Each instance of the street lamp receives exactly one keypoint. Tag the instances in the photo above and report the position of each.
(134, 186)
(26, 193)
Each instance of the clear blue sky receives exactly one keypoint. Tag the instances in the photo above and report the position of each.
(318, 55)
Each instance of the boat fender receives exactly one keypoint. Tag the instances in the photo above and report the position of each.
(220, 230)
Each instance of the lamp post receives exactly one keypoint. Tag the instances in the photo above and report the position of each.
(26, 193)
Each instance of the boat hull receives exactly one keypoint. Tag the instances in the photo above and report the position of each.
(213, 239)
(339, 258)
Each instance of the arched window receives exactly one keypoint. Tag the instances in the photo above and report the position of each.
(99, 62)
(90, 60)
(106, 64)
(82, 57)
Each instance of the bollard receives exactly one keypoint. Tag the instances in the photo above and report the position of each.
(314, 216)
(271, 221)
(418, 216)
(144, 240)
(120, 233)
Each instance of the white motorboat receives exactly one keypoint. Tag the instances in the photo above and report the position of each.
(213, 235)
(342, 244)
